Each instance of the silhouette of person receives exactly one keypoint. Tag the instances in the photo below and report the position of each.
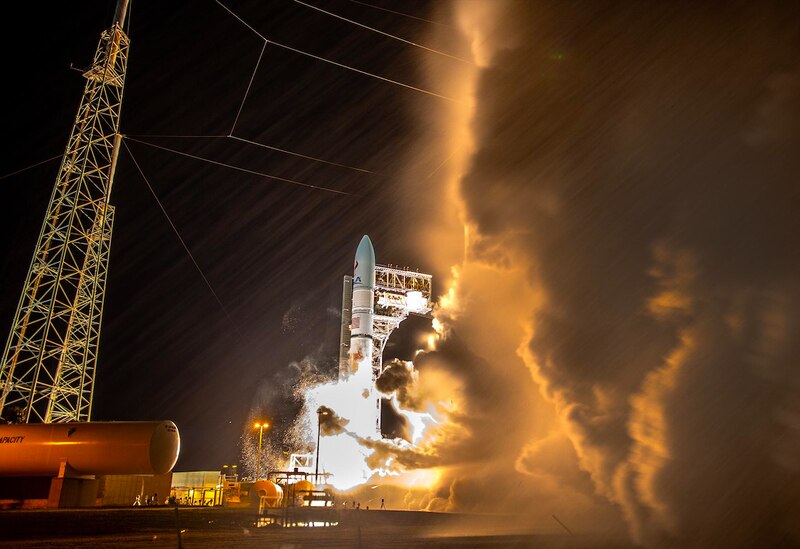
(383, 504)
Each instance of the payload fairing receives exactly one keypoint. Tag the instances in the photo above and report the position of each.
(363, 309)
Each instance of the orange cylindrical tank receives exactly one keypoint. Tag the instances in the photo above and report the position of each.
(300, 490)
(269, 490)
(93, 448)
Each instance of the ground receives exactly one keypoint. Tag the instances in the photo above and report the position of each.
(233, 529)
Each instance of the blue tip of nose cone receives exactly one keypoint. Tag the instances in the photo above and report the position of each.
(365, 247)
(364, 268)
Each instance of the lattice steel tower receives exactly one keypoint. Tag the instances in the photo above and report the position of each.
(50, 357)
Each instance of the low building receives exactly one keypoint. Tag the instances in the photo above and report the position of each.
(122, 490)
(197, 488)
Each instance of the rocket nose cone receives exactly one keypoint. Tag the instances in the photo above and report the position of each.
(365, 244)
(364, 267)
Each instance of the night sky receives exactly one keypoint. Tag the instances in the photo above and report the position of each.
(606, 195)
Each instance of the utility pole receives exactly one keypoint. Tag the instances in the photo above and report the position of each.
(260, 426)
(320, 412)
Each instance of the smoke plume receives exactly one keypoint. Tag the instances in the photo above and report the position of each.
(398, 378)
(330, 423)
(622, 180)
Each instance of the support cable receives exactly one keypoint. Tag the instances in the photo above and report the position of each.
(253, 172)
(384, 33)
(183, 243)
(300, 155)
(252, 77)
(402, 14)
(237, 138)
(31, 166)
(340, 65)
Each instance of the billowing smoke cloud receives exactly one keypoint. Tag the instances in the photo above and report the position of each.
(330, 423)
(629, 218)
(398, 378)
(403, 456)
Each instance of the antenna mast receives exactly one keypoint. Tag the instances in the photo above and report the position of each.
(50, 358)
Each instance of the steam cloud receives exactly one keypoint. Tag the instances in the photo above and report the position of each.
(631, 204)
(619, 344)
(398, 378)
(330, 423)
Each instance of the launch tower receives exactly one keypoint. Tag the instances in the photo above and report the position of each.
(398, 294)
(50, 358)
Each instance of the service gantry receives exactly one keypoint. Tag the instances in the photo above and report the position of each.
(50, 358)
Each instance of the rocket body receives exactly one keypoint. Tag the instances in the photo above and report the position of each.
(363, 291)
(361, 342)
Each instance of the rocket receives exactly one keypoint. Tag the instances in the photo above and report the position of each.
(362, 345)
(363, 307)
